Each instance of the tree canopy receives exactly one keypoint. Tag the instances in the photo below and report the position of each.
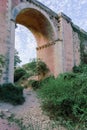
(36, 67)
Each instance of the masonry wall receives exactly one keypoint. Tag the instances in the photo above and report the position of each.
(6, 46)
(60, 53)
(46, 54)
(74, 45)
(3, 26)
(3, 32)
(58, 58)
(67, 36)
(76, 48)
(80, 45)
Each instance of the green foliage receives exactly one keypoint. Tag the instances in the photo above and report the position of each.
(30, 68)
(16, 59)
(80, 69)
(41, 68)
(35, 84)
(36, 67)
(11, 93)
(65, 98)
(19, 73)
(2, 60)
(85, 57)
(2, 63)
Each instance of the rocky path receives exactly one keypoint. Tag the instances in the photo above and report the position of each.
(29, 115)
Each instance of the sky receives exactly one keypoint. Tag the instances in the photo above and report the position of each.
(25, 42)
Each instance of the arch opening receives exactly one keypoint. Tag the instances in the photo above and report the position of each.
(37, 23)
(43, 31)
(25, 44)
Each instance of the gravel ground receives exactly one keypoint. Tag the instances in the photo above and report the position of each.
(29, 113)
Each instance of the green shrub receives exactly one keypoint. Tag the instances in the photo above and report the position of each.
(47, 79)
(34, 84)
(37, 84)
(11, 93)
(66, 97)
(18, 74)
(80, 69)
(36, 67)
(26, 76)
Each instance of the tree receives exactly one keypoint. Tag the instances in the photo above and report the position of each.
(16, 59)
(36, 67)
(19, 73)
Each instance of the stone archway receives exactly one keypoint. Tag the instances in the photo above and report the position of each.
(57, 42)
(43, 32)
(41, 25)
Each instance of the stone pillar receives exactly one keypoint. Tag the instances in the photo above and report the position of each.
(6, 40)
(3, 34)
(76, 47)
(58, 57)
(11, 53)
(11, 46)
(67, 36)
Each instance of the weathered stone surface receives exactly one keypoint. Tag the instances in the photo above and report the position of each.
(57, 43)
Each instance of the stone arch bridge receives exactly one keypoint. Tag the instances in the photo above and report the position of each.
(58, 42)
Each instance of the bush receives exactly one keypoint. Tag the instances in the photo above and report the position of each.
(35, 84)
(11, 93)
(80, 69)
(18, 74)
(36, 67)
(66, 97)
